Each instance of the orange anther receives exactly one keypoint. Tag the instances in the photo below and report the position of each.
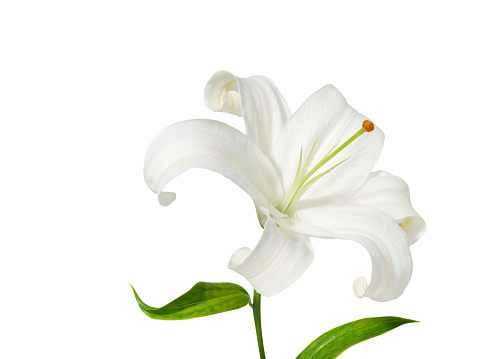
(368, 126)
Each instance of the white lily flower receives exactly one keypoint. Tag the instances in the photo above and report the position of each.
(309, 175)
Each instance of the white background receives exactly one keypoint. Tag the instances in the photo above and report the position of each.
(86, 85)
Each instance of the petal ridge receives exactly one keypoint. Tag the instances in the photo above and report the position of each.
(215, 146)
(278, 260)
(390, 194)
(377, 232)
(325, 121)
(256, 99)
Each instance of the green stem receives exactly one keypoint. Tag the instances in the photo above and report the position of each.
(257, 323)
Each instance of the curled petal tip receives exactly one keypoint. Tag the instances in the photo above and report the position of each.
(239, 257)
(222, 93)
(166, 198)
(359, 287)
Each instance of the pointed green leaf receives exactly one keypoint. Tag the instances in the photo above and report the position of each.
(331, 344)
(201, 300)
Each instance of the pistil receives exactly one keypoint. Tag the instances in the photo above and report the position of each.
(300, 183)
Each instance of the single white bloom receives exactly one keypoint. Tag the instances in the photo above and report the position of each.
(309, 174)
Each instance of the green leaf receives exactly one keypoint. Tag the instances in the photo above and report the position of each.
(331, 344)
(201, 300)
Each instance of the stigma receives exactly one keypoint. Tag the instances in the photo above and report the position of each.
(368, 126)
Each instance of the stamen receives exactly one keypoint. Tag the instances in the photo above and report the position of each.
(302, 190)
(298, 177)
(299, 164)
(309, 157)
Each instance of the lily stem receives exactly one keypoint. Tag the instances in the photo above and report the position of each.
(257, 323)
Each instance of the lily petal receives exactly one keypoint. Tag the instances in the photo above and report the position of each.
(327, 120)
(390, 194)
(215, 146)
(255, 98)
(279, 259)
(385, 241)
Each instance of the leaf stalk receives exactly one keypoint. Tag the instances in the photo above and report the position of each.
(257, 323)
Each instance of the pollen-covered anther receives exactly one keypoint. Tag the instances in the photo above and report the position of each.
(368, 126)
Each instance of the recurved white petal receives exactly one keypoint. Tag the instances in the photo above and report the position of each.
(215, 146)
(255, 98)
(327, 118)
(390, 194)
(279, 259)
(384, 240)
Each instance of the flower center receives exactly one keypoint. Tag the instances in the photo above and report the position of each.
(303, 181)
